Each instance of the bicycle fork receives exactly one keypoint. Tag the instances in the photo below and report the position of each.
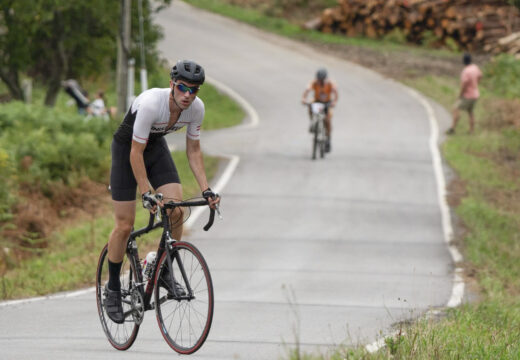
(172, 251)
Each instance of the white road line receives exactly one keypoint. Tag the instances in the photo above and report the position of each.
(49, 297)
(218, 187)
(458, 285)
(457, 291)
(252, 115)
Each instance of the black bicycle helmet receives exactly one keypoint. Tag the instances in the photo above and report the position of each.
(321, 74)
(189, 71)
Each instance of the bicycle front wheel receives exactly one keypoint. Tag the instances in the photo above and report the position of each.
(184, 319)
(315, 142)
(120, 336)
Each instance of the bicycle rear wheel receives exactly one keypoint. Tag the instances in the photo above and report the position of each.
(321, 138)
(120, 336)
(315, 142)
(184, 321)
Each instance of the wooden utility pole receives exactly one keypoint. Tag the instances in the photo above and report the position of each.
(123, 53)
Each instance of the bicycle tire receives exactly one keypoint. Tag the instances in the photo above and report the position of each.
(120, 336)
(315, 142)
(321, 136)
(174, 316)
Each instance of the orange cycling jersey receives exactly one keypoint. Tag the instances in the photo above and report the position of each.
(322, 91)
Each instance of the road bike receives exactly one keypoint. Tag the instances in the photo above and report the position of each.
(184, 312)
(317, 128)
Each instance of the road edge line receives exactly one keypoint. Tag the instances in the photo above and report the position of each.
(457, 290)
(251, 113)
(233, 161)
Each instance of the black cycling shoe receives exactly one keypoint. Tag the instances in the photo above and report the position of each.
(114, 306)
(166, 283)
(327, 146)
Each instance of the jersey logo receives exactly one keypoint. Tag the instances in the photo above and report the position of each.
(162, 129)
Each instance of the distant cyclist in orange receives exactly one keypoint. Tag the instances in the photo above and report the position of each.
(325, 91)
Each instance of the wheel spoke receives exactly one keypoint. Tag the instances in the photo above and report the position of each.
(184, 323)
(121, 336)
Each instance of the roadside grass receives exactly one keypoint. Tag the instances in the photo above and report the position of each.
(457, 336)
(488, 167)
(221, 111)
(70, 260)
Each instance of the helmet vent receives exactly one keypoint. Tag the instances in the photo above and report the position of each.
(188, 71)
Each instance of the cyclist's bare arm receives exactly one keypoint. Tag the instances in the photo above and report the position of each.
(334, 94)
(137, 162)
(196, 162)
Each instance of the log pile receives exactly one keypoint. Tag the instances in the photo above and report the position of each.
(471, 25)
(509, 44)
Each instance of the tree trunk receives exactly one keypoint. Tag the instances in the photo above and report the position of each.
(8, 68)
(123, 51)
(11, 79)
(60, 63)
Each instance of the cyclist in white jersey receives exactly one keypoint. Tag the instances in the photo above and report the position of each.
(141, 159)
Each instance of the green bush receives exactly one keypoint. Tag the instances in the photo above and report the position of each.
(6, 177)
(47, 145)
(396, 36)
(429, 39)
(502, 76)
(451, 44)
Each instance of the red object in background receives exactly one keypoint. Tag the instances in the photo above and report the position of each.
(479, 26)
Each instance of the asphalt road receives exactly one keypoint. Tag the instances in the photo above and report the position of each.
(314, 253)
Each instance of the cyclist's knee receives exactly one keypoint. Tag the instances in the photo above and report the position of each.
(177, 216)
(123, 228)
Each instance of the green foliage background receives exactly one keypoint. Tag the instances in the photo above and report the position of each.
(61, 146)
(501, 76)
(40, 146)
(52, 40)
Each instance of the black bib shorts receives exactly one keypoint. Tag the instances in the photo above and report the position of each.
(158, 162)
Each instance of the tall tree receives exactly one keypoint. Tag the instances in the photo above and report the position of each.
(50, 40)
(75, 39)
(123, 54)
(15, 28)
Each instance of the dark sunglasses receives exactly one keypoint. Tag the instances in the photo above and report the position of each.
(183, 88)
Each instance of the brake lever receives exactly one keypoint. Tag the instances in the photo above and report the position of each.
(218, 212)
(159, 197)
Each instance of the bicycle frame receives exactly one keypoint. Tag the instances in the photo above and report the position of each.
(166, 242)
(318, 115)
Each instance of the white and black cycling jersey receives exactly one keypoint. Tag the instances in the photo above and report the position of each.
(148, 117)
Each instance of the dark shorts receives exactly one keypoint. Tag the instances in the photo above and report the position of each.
(466, 104)
(159, 164)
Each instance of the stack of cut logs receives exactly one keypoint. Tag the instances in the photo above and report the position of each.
(509, 44)
(472, 25)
